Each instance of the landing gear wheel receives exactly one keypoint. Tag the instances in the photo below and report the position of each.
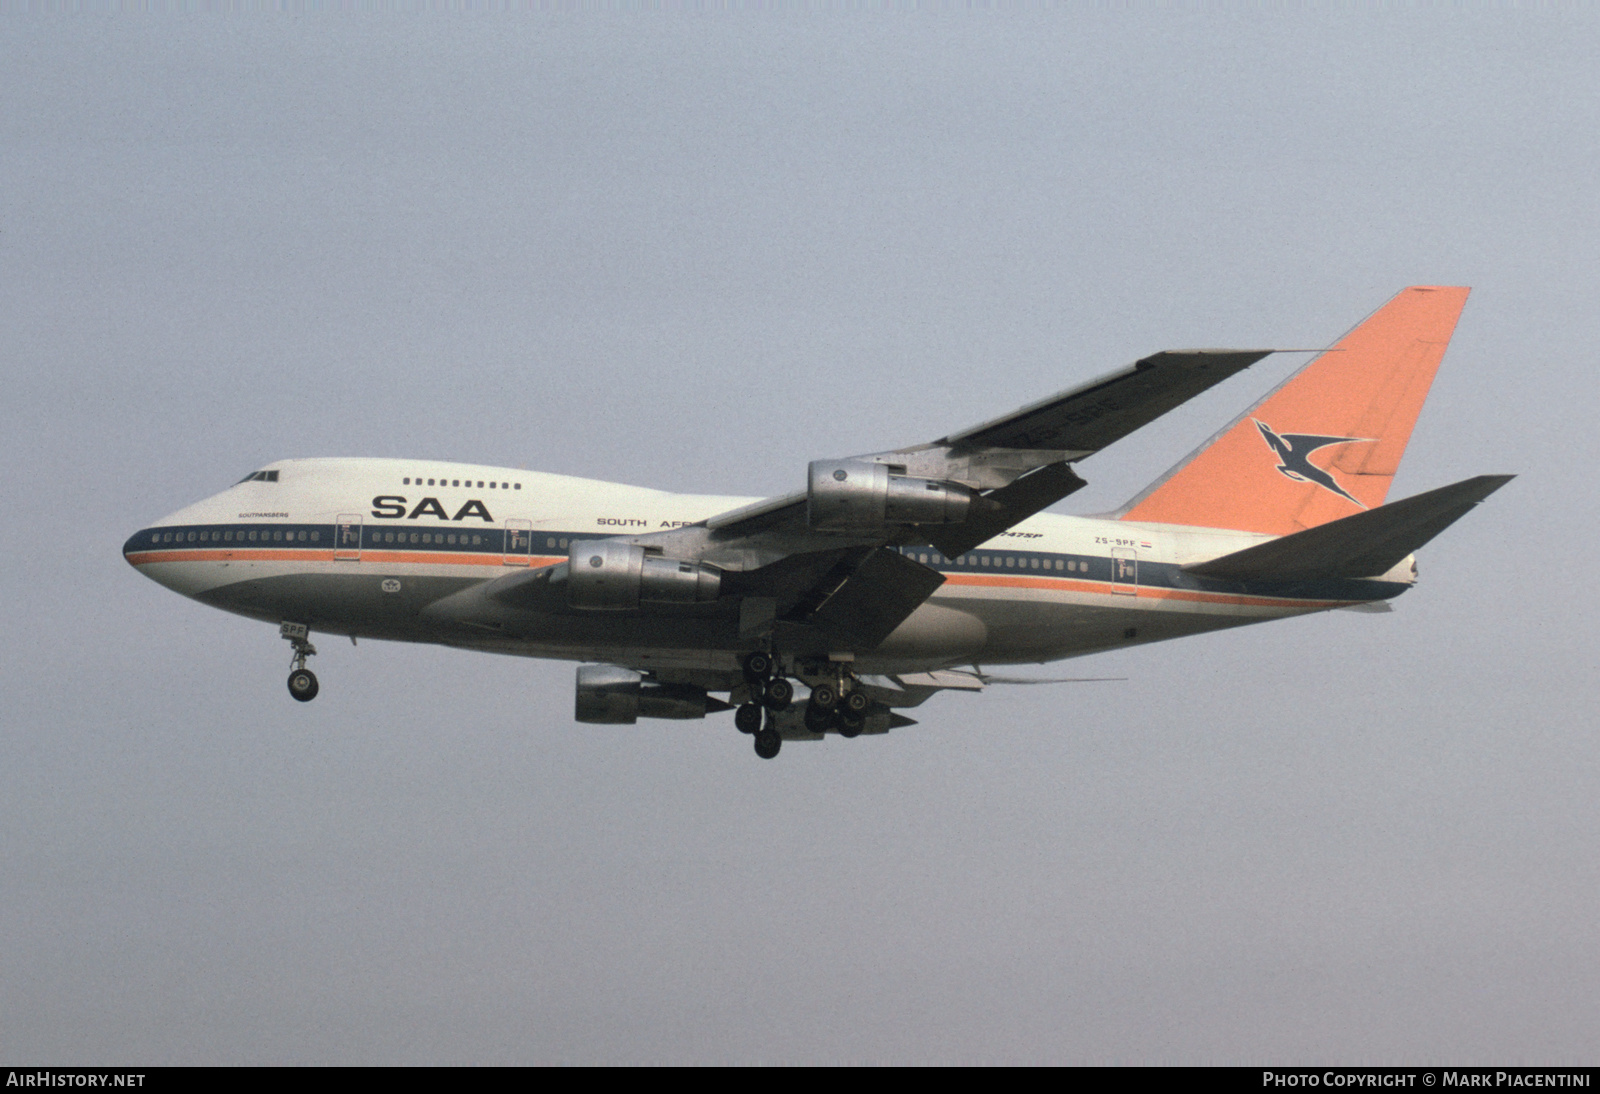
(303, 685)
(748, 718)
(817, 719)
(857, 702)
(757, 666)
(767, 743)
(850, 723)
(302, 681)
(777, 696)
(824, 696)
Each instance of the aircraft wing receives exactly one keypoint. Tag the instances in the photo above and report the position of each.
(822, 565)
(806, 565)
(1019, 463)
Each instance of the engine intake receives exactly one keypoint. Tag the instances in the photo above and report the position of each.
(608, 575)
(858, 495)
(612, 695)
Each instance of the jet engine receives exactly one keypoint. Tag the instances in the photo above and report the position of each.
(858, 495)
(612, 695)
(608, 575)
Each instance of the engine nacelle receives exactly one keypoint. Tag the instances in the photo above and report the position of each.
(858, 495)
(608, 575)
(611, 695)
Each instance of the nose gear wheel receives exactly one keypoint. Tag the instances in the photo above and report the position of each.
(303, 685)
(302, 681)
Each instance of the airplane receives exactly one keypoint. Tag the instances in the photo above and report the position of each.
(889, 578)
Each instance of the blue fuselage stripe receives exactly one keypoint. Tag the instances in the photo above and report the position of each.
(1007, 562)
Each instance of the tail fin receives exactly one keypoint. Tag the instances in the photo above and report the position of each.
(1327, 441)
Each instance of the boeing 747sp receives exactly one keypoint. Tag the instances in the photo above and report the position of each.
(889, 577)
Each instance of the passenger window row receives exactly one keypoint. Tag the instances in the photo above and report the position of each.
(292, 535)
(461, 482)
(241, 535)
(1008, 562)
(450, 539)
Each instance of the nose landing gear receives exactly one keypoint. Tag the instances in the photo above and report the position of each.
(302, 681)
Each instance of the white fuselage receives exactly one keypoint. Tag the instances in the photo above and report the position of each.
(364, 546)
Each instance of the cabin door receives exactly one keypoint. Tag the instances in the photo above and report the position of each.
(1125, 571)
(347, 538)
(519, 542)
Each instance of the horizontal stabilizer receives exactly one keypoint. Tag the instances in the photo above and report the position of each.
(1364, 545)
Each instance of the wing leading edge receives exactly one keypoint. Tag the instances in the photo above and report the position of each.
(1087, 418)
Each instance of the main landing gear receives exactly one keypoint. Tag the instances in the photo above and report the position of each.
(767, 743)
(838, 703)
(841, 706)
(771, 695)
(302, 681)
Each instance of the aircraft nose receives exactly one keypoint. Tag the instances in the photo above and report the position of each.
(155, 553)
(138, 543)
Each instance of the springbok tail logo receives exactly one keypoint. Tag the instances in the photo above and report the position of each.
(1294, 456)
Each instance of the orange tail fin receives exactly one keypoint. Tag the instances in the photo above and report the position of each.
(1327, 441)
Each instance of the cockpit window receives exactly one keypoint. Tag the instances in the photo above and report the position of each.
(259, 476)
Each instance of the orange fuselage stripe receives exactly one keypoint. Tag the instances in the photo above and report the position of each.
(1098, 588)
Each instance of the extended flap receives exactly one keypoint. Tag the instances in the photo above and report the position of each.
(876, 598)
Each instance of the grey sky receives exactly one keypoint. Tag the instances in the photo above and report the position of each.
(693, 250)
